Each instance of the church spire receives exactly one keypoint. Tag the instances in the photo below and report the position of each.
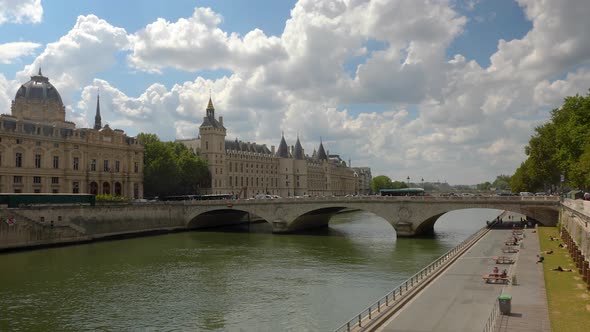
(210, 109)
(97, 119)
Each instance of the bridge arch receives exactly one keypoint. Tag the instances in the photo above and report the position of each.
(220, 217)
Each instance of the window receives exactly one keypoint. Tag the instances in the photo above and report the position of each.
(38, 143)
(117, 166)
(19, 141)
(56, 145)
(76, 187)
(37, 179)
(56, 162)
(76, 163)
(37, 161)
(136, 167)
(206, 145)
(105, 166)
(18, 179)
(55, 180)
(18, 160)
(93, 165)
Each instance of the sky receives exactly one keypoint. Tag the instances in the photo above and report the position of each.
(440, 90)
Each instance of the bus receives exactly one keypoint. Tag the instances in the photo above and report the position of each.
(13, 200)
(403, 192)
(197, 197)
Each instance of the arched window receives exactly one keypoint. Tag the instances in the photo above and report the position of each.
(106, 188)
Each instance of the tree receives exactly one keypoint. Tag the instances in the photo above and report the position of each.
(170, 168)
(559, 146)
(398, 185)
(381, 182)
(484, 186)
(502, 182)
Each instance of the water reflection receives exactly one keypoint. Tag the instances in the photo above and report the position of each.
(217, 281)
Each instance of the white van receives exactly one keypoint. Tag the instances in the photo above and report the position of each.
(526, 193)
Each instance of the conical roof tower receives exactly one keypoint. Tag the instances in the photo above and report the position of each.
(283, 150)
(321, 152)
(298, 151)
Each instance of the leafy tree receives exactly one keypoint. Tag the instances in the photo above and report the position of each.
(502, 182)
(559, 147)
(381, 182)
(398, 185)
(484, 186)
(170, 168)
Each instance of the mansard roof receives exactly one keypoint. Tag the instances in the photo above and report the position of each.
(283, 150)
(246, 147)
(298, 151)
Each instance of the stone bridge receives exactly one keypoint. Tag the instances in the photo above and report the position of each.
(409, 216)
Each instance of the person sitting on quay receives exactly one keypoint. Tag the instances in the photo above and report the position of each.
(540, 259)
(504, 273)
(561, 245)
(495, 270)
(551, 238)
(548, 252)
(560, 269)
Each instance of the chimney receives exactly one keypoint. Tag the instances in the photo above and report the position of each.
(221, 120)
(272, 149)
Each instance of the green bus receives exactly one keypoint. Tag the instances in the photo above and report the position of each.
(403, 192)
(14, 200)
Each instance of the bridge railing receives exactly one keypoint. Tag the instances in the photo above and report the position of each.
(401, 292)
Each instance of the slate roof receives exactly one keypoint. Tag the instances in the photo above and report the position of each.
(283, 150)
(298, 151)
(322, 153)
(246, 147)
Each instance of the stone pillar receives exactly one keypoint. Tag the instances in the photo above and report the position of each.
(585, 272)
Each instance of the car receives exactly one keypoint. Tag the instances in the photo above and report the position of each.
(526, 193)
(541, 194)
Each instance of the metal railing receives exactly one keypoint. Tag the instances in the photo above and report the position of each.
(491, 323)
(402, 291)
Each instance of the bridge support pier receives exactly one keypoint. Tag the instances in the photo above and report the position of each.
(404, 229)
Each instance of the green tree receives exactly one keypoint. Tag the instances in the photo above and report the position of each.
(502, 182)
(381, 182)
(484, 186)
(170, 168)
(559, 146)
(398, 185)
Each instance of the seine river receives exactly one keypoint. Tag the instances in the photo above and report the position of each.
(248, 280)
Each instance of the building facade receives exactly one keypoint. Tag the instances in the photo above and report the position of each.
(246, 169)
(364, 180)
(41, 152)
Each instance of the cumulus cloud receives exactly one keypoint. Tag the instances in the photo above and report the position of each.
(438, 118)
(73, 61)
(21, 11)
(14, 50)
(198, 43)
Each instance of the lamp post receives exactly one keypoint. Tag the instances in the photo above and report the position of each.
(408, 181)
(422, 183)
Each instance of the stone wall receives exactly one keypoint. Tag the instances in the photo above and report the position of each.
(50, 225)
(575, 217)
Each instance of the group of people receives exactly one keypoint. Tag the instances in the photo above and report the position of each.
(496, 271)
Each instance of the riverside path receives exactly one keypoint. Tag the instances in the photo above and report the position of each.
(459, 300)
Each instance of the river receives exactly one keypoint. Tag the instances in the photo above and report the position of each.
(239, 279)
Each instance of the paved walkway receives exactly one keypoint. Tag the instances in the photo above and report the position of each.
(529, 300)
(459, 300)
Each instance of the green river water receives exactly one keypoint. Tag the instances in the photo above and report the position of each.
(233, 280)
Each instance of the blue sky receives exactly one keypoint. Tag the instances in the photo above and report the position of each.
(404, 86)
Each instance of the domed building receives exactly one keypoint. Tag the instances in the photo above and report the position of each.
(41, 152)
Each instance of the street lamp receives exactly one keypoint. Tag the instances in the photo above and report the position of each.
(408, 181)
(422, 183)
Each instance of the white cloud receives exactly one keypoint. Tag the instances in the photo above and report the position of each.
(197, 43)
(72, 61)
(438, 119)
(21, 11)
(14, 50)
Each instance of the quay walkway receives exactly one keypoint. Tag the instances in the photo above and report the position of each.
(459, 300)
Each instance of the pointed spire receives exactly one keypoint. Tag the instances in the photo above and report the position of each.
(298, 151)
(97, 118)
(321, 152)
(283, 150)
(40, 74)
(210, 109)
